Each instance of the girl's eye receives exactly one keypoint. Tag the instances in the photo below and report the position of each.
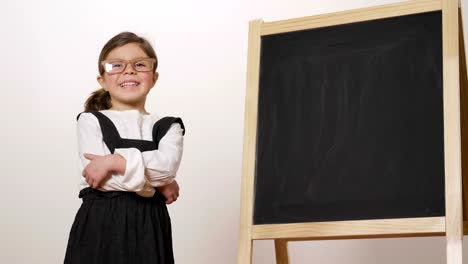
(140, 65)
(116, 65)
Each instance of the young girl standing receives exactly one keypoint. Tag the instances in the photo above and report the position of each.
(129, 159)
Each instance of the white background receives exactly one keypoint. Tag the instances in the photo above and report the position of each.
(48, 67)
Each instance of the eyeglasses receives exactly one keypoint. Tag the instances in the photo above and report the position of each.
(118, 66)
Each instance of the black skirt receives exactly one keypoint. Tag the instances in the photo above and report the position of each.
(120, 228)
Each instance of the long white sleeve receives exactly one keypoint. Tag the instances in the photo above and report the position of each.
(162, 164)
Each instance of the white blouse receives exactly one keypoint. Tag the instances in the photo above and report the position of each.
(144, 170)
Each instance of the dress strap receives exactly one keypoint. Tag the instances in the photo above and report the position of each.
(110, 134)
(161, 127)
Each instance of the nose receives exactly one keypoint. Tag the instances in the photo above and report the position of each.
(129, 69)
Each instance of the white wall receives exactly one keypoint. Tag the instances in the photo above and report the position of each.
(49, 53)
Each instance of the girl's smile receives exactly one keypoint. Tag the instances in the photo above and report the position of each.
(129, 83)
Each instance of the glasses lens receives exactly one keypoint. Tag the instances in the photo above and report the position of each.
(143, 65)
(114, 66)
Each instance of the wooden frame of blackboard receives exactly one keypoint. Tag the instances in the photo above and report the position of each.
(454, 75)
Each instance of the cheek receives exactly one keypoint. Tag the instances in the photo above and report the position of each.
(148, 79)
(111, 80)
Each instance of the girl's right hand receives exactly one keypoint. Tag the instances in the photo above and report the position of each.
(170, 191)
(100, 168)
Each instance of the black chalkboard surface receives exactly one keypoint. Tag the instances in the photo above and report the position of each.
(350, 122)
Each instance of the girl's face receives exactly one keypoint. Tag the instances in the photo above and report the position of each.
(128, 89)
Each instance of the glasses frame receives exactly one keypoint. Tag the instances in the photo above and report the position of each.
(127, 62)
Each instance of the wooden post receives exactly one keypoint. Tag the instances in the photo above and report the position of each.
(452, 132)
(250, 131)
(464, 117)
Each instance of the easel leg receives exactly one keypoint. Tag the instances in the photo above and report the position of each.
(245, 252)
(281, 250)
(454, 252)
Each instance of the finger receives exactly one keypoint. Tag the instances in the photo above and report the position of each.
(89, 181)
(89, 156)
(97, 184)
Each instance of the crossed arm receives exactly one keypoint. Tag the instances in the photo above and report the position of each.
(128, 169)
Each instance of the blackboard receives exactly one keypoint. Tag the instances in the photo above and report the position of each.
(350, 122)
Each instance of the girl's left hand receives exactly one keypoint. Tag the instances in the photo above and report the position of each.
(98, 170)
(170, 191)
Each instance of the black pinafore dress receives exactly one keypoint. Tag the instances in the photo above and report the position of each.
(122, 227)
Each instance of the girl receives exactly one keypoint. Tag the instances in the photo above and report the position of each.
(129, 159)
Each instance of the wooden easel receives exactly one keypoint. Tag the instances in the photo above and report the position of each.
(455, 109)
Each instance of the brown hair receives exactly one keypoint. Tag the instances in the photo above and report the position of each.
(100, 99)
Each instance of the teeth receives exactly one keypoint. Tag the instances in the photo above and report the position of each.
(128, 84)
